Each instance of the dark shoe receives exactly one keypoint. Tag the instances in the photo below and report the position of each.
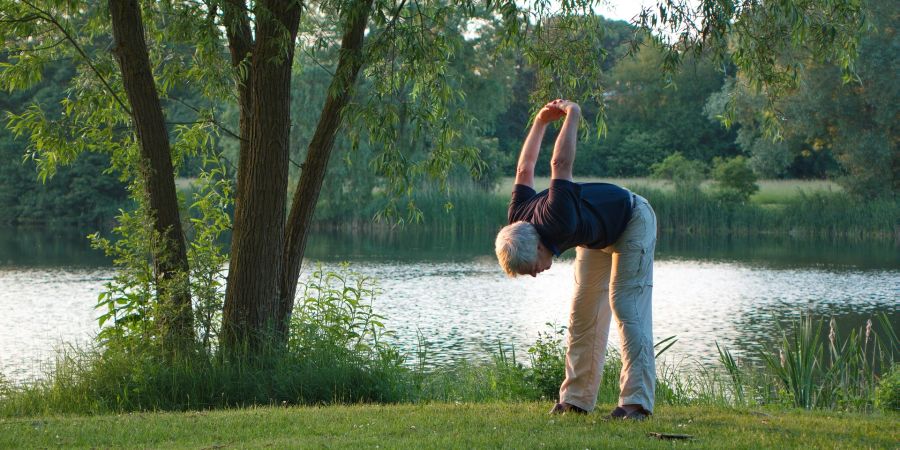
(620, 414)
(617, 413)
(562, 408)
(638, 415)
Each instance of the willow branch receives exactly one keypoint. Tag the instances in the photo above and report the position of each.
(50, 18)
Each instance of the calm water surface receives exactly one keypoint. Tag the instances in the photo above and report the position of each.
(449, 289)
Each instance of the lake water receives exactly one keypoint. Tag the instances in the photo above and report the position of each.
(449, 289)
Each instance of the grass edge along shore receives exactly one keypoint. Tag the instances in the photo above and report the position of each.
(803, 209)
(454, 425)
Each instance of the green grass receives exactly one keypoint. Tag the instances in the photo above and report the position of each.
(442, 425)
(780, 191)
(812, 209)
(770, 191)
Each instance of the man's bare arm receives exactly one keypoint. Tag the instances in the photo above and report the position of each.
(564, 150)
(532, 146)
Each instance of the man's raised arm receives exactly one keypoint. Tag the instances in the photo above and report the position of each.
(532, 146)
(564, 150)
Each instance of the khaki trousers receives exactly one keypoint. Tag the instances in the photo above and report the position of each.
(614, 280)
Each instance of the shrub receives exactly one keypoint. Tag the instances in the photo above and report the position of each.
(548, 361)
(686, 174)
(735, 180)
(887, 394)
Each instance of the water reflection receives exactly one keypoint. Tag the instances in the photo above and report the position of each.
(40, 247)
(783, 251)
(449, 289)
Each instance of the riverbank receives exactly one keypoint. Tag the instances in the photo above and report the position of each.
(453, 425)
(795, 208)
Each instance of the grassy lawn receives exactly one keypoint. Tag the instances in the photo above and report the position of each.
(770, 191)
(491, 425)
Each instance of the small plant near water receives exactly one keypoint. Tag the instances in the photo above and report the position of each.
(336, 308)
(887, 394)
(548, 361)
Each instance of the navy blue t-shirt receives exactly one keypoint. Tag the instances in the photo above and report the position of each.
(569, 214)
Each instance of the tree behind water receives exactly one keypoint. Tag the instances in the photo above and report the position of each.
(832, 124)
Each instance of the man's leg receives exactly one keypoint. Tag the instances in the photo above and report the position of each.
(631, 290)
(588, 329)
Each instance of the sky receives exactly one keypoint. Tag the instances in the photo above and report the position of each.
(623, 9)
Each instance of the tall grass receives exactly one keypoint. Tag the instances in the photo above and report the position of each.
(464, 208)
(817, 215)
(808, 369)
(803, 213)
(799, 362)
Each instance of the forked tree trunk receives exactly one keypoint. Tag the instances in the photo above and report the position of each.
(251, 295)
(170, 261)
(317, 156)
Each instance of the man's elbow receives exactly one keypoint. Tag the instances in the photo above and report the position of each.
(523, 171)
(561, 165)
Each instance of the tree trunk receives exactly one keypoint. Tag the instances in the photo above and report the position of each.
(317, 157)
(240, 44)
(251, 295)
(170, 262)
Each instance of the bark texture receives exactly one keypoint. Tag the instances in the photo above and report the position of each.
(251, 296)
(318, 154)
(170, 257)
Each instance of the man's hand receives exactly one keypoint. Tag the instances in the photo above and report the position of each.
(549, 113)
(566, 106)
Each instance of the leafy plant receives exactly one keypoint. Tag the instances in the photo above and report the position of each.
(127, 301)
(735, 180)
(684, 173)
(887, 394)
(548, 361)
(210, 219)
(335, 308)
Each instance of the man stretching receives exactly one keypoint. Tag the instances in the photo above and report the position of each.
(614, 232)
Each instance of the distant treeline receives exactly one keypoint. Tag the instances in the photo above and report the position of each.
(80, 194)
(845, 132)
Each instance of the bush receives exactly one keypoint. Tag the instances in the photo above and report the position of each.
(887, 394)
(735, 180)
(548, 362)
(685, 173)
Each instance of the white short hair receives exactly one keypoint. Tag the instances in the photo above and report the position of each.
(517, 247)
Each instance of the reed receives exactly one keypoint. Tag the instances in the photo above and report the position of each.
(806, 213)
(809, 369)
(798, 364)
